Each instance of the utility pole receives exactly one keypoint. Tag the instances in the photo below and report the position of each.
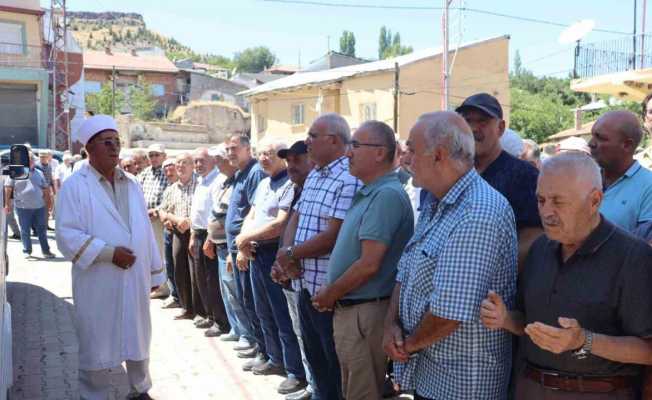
(396, 93)
(60, 122)
(634, 39)
(113, 91)
(444, 63)
(643, 34)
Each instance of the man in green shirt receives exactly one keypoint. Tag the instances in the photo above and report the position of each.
(362, 266)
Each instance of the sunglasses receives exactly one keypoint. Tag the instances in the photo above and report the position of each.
(356, 145)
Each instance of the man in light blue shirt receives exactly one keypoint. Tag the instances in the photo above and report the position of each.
(627, 185)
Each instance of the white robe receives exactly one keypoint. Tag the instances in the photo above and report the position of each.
(112, 305)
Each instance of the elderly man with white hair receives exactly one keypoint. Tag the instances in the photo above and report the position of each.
(259, 241)
(464, 245)
(104, 229)
(584, 305)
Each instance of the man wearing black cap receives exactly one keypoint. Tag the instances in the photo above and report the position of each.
(513, 178)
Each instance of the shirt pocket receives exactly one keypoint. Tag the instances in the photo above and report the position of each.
(424, 269)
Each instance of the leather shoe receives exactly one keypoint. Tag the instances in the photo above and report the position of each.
(185, 315)
(213, 331)
(248, 353)
(291, 384)
(269, 368)
(259, 359)
(205, 324)
(243, 344)
(161, 293)
(304, 394)
(231, 337)
(171, 304)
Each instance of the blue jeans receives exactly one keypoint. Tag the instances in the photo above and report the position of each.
(234, 312)
(272, 309)
(36, 217)
(244, 292)
(169, 263)
(293, 307)
(317, 334)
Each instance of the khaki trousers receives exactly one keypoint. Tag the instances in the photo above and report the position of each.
(358, 335)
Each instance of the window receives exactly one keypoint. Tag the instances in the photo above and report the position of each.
(367, 112)
(12, 38)
(92, 87)
(297, 114)
(261, 124)
(158, 90)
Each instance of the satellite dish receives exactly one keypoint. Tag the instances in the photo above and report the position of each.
(576, 32)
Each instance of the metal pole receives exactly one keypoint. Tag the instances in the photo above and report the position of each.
(66, 78)
(444, 66)
(113, 91)
(634, 40)
(643, 34)
(396, 91)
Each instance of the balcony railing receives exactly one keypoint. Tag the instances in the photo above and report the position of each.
(14, 55)
(619, 55)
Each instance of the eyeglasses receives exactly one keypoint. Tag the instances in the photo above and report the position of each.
(355, 144)
(315, 136)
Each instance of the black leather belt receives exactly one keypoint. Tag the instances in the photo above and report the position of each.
(200, 231)
(576, 383)
(355, 302)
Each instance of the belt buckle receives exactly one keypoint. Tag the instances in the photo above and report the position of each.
(543, 380)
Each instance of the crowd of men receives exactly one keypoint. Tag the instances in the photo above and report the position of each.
(357, 265)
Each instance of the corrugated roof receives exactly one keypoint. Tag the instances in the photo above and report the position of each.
(336, 74)
(127, 61)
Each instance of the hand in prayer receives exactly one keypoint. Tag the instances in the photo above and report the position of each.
(209, 249)
(493, 311)
(242, 262)
(123, 257)
(557, 340)
(394, 343)
(323, 300)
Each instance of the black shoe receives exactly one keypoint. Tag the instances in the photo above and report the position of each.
(49, 256)
(50, 229)
(15, 236)
(141, 396)
(205, 324)
(259, 359)
(251, 353)
(291, 384)
(213, 331)
(269, 368)
(172, 304)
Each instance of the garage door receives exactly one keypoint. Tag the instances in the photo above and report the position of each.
(18, 116)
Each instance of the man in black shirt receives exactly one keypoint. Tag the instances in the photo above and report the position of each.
(513, 178)
(584, 302)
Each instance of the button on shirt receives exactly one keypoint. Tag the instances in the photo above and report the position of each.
(245, 184)
(202, 201)
(327, 193)
(628, 201)
(381, 211)
(274, 193)
(177, 198)
(153, 181)
(605, 286)
(28, 193)
(463, 246)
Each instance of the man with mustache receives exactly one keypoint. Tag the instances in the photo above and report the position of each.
(584, 304)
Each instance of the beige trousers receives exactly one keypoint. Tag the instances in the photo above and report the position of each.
(358, 335)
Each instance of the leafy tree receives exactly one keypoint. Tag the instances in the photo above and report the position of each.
(384, 42)
(389, 46)
(142, 102)
(518, 65)
(536, 116)
(347, 43)
(102, 101)
(254, 59)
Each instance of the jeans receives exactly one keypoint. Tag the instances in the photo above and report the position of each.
(292, 298)
(272, 309)
(317, 334)
(38, 218)
(244, 292)
(234, 312)
(169, 263)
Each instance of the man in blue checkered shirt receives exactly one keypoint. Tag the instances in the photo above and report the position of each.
(326, 196)
(464, 245)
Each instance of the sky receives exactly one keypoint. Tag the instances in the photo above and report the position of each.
(303, 32)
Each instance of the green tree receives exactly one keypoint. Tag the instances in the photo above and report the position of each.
(518, 65)
(384, 41)
(102, 101)
(142, 102)
(390, 46)
(347, 43)
(254, 59)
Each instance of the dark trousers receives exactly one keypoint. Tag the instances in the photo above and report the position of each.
(318, 343)
(37, 218)
(183, 277)
(169, 263)
(244, 292)
(272, 309)
(527, 389)
(208, 282)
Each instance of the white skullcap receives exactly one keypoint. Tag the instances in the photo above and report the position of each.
(156, 148)
(93, 126)
(44, 152)
(512, 143)
(574, 143)
(168, 161)
(218, 151)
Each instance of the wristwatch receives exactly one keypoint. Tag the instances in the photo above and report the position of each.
(289, 251)
(584, 351)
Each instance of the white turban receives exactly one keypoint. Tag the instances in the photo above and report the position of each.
(512, 143)
(93, 126)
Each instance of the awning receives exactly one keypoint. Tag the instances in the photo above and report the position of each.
(630, 85)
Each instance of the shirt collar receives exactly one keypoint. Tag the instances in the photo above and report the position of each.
(279, 176)
(594, 241)
(208, 178)
(119, 173)
(368, 189)
(328, 168)
(459, 187)
(631, 171)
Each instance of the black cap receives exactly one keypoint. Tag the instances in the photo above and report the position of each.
(483, 102)
(296, 149)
